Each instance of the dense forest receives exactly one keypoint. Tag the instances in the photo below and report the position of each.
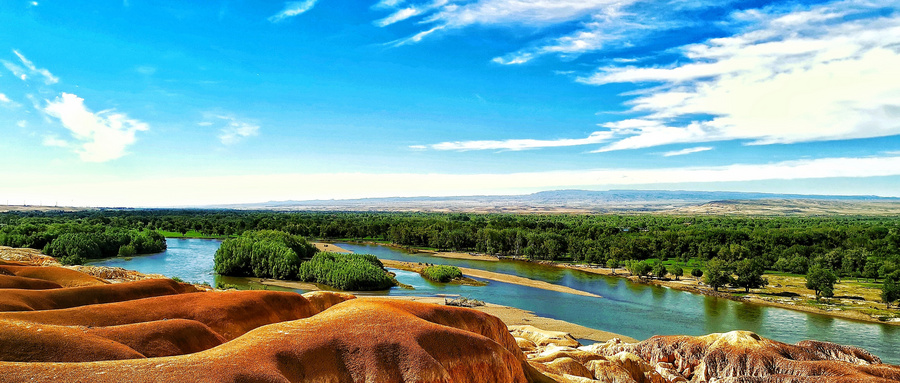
(865, 247)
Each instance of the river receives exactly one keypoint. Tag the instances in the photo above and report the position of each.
(627, 308)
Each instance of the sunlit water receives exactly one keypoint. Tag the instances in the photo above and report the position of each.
(635, 310)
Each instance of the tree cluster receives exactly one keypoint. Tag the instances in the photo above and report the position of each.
(352, 272)
(263, 254)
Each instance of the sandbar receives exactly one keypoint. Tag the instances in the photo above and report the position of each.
(506, 278)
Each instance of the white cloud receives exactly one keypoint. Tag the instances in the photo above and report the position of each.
(687, 151)
(443, 14)
(4, 99)
(388, 3)
(22, 123)
(291, 9)
(49, 78)
(816, 74)
(15, 70)
(517, 144)
(205, 190)
(235, 131)
(51, 140)
(103, 136)
(400, 15)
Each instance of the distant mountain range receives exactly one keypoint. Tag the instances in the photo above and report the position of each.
(587, 201)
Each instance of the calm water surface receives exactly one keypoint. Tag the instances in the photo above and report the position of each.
(636, 310)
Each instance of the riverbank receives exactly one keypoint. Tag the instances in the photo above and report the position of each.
(783, 292)
(512, 316)
(781, 297)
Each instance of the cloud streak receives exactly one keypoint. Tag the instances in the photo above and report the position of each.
(687, 151)
(292, 9)
(103, 136)
(517, 144)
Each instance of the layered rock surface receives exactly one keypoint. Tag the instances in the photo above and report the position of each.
(736, 357)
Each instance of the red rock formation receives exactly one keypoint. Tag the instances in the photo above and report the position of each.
(14, 282)
(162, 338)
(371, 340)
(230, 314)
(32, 342)
(27, 300)
(322, 300)
(59, 275)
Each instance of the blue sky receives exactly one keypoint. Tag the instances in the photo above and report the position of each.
(140, 103)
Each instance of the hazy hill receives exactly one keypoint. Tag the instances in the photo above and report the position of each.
(612, 201)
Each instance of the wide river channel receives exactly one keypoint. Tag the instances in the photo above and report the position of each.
(631, 309)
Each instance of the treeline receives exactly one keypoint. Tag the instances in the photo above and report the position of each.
(73, 243)
(865, 247)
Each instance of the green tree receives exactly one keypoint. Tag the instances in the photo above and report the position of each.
(612, 263)
(659, 270)
(870, 270)
(749, 275)
(717, 274)
(677, 271)
(638, 268)
(890, 289)
(697, 272)
(821, 281)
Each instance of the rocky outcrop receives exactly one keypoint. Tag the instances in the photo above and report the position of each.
(737, 356)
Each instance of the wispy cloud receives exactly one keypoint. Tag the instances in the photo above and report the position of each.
(4, 99)
(808, 75)
(517, 144)
(103, 136)
(687, 151)
(49, 78)
(236, 131)
(400, 15)
(291, 9)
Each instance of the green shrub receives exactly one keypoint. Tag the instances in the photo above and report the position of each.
(354, 272)
(441, 273)
(126, 251)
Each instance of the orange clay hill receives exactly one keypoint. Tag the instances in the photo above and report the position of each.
(163, 331)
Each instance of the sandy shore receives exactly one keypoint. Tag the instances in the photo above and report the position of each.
(415, 267)
(455, 255)
(330, 247)
(513, 316)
